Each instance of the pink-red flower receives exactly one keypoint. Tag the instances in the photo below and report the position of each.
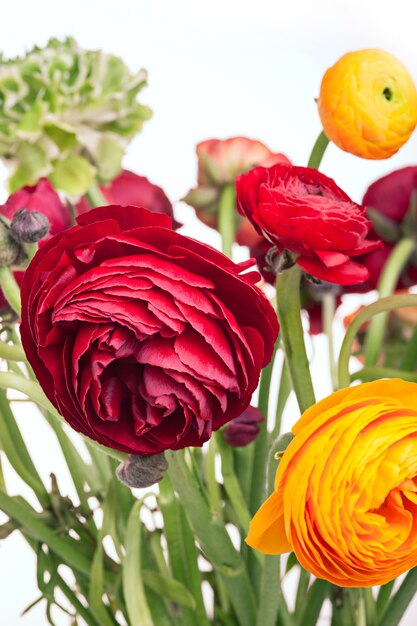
(244, 428)
(131, 189)
(219, 162)
(301, 210)
(144, 340)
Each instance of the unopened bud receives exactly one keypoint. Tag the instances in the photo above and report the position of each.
(142, 471)
(10, 250)
(243, 429)
(29, 226)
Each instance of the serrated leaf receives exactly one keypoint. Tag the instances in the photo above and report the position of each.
(169, 588)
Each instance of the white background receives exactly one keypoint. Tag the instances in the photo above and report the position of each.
(216, 69)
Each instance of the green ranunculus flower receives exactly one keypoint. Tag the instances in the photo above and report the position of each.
(68, 114)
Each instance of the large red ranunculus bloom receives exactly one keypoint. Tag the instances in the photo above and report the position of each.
(131, 189)
(144, 340)
(301, 210)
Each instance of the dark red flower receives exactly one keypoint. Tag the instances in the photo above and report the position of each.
(144, 340)
(243, 429)
(301, 210)
(389, 203)
(41, 197)
(130, 189)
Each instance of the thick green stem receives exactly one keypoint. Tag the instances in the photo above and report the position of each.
(387, 283)
(95, 196)
(381, 306)
(227, 218)
(318, 151)
(10, 289)
(292, 335)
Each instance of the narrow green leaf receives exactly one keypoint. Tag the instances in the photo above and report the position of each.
(95, 597)
(169, 588)
(133, 589)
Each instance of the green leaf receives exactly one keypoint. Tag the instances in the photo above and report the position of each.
(63, 138)
(74, 175)
(133, 589)
(169, 588)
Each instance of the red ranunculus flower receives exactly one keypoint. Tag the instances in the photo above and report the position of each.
(41, 197)
(305, 212)
(144, 340)
(130, 189)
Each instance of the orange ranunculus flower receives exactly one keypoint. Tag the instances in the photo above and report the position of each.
(345, 496)
(368, 104)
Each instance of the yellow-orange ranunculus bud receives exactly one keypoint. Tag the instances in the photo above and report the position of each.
(345, 496)
(368, 104)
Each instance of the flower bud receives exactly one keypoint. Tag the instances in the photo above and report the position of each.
(29, 226)
(142, 471)
(10, 250)
(243, 429)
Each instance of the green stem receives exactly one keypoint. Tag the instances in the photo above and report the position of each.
(213, 489)
(227, 218)
(10, 289)
(301, 597)
(72, 598)
(400, 600)
(318, 151)
(315, 597)
(374, 373)
(361, 610)
(387, 283)
(283, 394)
(269, 598)
(381, 306)
(11, 353)
(292, 334)
(329, 307)
(95, 196)
(214, 539)
(231, 484)
(370, 607)
(12, 443)
(259, 450)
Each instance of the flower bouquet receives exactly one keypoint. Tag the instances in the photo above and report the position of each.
(175, 365)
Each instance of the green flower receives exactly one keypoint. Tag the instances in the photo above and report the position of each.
(68, 114)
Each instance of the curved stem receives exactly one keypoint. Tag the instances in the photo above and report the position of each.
(387, 283)
(381, 306)
(292, 334)
(374, 373)
(400, 600)
(227, 218)
(10, 289)
(11, 353)
(318, 151)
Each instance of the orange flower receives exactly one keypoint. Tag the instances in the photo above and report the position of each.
(368, 104)
(345, 496)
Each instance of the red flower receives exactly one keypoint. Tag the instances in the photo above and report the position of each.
(130, 189)
(41, 197)
(305, 212)
(144, 340)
